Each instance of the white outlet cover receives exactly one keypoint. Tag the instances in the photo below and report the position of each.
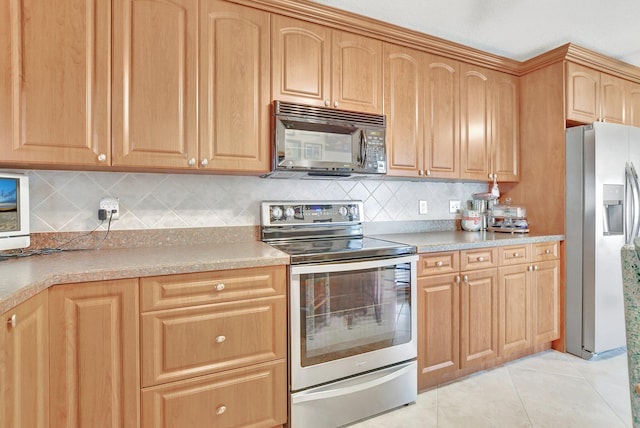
(111, 205)
(454, 207)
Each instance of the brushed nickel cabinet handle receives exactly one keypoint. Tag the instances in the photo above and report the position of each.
(221, 409)
(465, 278)
(439, 264)
(547, 251)
(220, 339)
(13, 321)
(220, 287)
(335, 104)
(191, 162)
(327, 103)
(480, 259)
(535, 267)
(102, 157)
(457, 279)
(516, 254)
(204, 162)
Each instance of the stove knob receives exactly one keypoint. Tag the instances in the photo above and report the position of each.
(353, 210)
(343, 211)
(276, 213)
(289, 212)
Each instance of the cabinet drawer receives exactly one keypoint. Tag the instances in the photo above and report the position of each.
(173, 291)
(254, 396)
(478, 259)
(181, 343)
(514, 254)
(546, 251)
(438, 263)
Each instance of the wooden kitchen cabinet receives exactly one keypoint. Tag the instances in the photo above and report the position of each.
(632, 104)
(94, 362)
(545, 292)
(489, 129)
(214, 348)
(457, 314)
(155, 83)
(593, 96)
(24, 364)
(54, 83)
(319, 66)
(235, 91)
(421, 103)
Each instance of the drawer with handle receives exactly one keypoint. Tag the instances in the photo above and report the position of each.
(182, 343)
(481, 258)
(438, 263)
(546, 251)
(514, 254)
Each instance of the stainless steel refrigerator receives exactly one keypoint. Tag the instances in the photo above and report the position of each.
(602, 213)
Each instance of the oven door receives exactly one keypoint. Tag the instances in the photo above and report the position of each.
(349, 318)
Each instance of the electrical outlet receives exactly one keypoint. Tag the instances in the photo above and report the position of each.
(454, 207)
(423, 207)
(111, 206)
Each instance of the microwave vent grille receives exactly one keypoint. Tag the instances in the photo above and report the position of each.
(327, 114)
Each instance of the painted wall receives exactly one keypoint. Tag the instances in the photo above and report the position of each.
(67, 201)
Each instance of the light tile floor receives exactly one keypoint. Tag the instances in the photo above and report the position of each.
(549, 389)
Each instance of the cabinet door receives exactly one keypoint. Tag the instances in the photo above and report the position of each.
(583, 94)
(235, 91)
(94, 358)
(475, 120)
(514, 308)
(612, 95)
(402, 106)
(546, 301)
(505, 136)
(441, 117)
(478, 317)
(301, 61)
(357, 73)
(438, 327)
(632, 104)
(24, 365)
(155, 83)
(54, 82)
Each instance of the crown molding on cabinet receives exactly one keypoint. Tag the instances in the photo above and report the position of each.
(384, 31)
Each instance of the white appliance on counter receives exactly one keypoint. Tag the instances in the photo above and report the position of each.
(602, 214)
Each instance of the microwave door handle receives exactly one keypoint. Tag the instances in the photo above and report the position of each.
(363, 150)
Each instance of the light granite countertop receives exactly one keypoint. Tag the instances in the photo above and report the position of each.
(429, 242)
(24, 277)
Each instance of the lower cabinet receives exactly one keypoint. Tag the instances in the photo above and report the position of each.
(213, 348)
(94, 378)
(24, 365)
(478, 308)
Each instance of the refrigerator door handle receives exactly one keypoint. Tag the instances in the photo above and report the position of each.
(632, 178)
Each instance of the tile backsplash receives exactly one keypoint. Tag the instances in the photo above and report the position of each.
(67, 201)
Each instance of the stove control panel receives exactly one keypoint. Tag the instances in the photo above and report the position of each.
(280, 213)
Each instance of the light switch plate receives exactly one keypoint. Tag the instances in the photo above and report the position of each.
(422, 207)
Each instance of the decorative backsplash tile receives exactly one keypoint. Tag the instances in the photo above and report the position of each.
(67, 201)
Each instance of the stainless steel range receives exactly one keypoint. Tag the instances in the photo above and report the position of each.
(352, 313)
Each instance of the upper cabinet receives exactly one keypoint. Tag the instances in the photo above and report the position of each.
(155, 85)
(489, 131)
(318, 66)
(235, 89)
(54, 83)
(594, 96)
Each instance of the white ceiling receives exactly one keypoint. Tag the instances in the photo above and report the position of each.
(516, 29)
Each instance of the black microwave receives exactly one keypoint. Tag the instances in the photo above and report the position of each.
(321, 141)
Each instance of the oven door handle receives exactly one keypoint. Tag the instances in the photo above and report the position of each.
(351, 265)
(340, 390)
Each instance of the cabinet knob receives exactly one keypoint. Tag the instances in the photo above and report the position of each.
(220, 287)
(420, 172)
(547, 251)
(204, 162)
(327, 103)
(12, 321)
(480, 259)
(191, 162)
(457, 279)
(221, 409)
(490, 176)
(535, 267)
(428, 173)
(516, 254)
(220, 339)
(102, 157)
(465, 278)
(335, 104)
(439, 264)
(529, 268)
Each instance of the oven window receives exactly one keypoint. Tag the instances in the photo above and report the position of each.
(354, 312)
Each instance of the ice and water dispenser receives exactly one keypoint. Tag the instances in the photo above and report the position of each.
(613, 209)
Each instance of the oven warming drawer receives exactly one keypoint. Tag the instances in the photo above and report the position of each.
(355, 398)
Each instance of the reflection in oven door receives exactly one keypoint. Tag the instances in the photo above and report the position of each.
(350, 313)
